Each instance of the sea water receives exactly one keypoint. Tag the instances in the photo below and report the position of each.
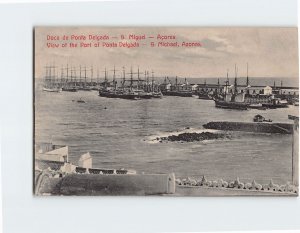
(119, 133)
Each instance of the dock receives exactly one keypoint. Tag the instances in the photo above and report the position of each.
(255, 127)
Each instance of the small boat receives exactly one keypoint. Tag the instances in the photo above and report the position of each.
(178, 93)
(80, 101)
(52, 89)
(129, 95)
(204, 96)
(231, 105)
(157, 95)
(108, 93)
(257, 106)
(260, 118)
(144, 95)
(70, 89)
(85, 88)
(276, 103)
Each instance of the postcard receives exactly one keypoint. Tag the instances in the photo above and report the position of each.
(168, 111)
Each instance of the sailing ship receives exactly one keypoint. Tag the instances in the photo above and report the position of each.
(177, 91)
(50, 80)
(137, 88)
(233, 100)
(83, 85)
(149, 89)
(113, 92)
(69, 84)
(204, 93)
(276, 103)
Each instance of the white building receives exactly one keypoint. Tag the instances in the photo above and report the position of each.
(267, 90)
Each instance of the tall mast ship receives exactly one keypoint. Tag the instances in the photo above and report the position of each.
(156, 93)
(130, 88)
(233, 100)
(69, 85)
(50, 84)
(204, 95)
(125, 92)
(144, 92)
(84, 84)
(177, 90)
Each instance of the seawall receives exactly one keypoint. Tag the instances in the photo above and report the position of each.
(91, 184)
(282, 128)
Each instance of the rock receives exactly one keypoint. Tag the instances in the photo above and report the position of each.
(225, 184)
(220, 183)
(190, 137)
(215, 183)
(231, 184)
(209, 184)
(178, 181)
(248, 186)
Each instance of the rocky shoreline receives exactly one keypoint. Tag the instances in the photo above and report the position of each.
(191, 137)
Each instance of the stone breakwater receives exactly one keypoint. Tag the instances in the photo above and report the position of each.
(191, 137)
(237, 184)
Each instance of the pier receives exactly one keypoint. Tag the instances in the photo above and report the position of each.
(255, 127)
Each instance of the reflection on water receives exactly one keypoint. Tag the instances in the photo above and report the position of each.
(116, 132)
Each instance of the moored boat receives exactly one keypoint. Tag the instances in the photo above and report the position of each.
(204, 96)
(231, 105)
(70, 89)
(144, 95)
(276, 103)
(157, 95)
(50, 80)
(233, 100)
(257, 106)
(178, 93)
(52, 89)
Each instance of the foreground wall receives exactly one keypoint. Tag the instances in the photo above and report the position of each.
(89, 184)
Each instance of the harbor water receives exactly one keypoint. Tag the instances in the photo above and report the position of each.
(120, 133)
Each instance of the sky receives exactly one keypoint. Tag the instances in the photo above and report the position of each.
(269, 52)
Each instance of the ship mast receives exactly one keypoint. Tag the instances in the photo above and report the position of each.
(54, 75)
(61, 75)
(247, 83)
(105, 77)
(71, 74)
(67, 73)
(235, 79)
(138, 73)
(131, 78)
(92, 73)
(75, 78)
(46, 78)
(123, 84)
(226, 83)
(152, 81)
(147, 81)
(85, 76)
(114, 78)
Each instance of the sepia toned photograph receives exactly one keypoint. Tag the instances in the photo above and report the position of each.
(166, 111)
